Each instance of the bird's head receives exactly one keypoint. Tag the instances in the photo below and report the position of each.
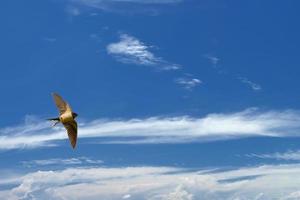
(74, 115)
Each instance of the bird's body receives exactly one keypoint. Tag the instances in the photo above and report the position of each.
(66, 117)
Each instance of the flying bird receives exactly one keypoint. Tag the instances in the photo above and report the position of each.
(66, 117)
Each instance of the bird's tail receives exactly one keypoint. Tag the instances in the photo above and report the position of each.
(55, 120)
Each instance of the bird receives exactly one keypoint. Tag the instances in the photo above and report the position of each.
(66, 117)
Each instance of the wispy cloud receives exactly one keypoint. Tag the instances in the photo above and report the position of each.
(61, 161)
(156, 183)
(98, 3)
(49, 39)
(289, 155)
(131, 50)
(151, 7)
(252, 85)
(73, 11)
(250, 122)
(214, 60)
(188, 83)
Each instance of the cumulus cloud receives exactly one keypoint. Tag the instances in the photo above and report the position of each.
(252, 85)
(248, 123)
(179, 193)
(158, 183)
(131, 50)
(188, 83)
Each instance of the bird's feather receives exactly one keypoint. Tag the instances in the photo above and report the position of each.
(62, 105)
(71, 127)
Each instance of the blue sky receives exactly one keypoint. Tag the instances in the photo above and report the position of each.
(177, 99)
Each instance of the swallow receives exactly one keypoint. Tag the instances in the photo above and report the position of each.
(66, 117)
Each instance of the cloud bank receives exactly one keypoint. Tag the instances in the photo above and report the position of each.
(158, 183)
(248, 123)
(131, 50)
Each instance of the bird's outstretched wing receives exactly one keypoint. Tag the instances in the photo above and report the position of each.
(72, 131)
(61, 104)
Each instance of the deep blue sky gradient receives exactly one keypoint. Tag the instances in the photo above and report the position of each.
(257, 40)
(45, 49)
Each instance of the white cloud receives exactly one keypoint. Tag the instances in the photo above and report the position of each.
(60, 161)
(130, 50)
(159, 183)
(213, 59)
(292, 196)
(94, 3)
(126, 196)
(289, 155)
(151, 7)
(188, 82)
(248, 123)
(252, 85)
(178, 194)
